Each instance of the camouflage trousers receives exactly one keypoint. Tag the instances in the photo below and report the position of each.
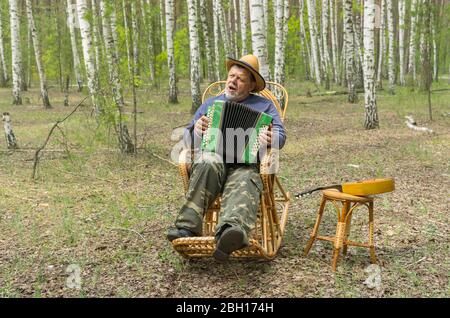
(240, 186)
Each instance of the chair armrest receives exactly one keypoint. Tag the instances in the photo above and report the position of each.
(184, 167)
(270, 162)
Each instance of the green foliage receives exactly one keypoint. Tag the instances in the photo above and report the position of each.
(181, 47)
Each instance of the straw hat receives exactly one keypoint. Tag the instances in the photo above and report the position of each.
(251, 63)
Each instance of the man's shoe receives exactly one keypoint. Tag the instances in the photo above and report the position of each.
(175, 233)
(231, 239)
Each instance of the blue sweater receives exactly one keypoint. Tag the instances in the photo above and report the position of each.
(254, 101)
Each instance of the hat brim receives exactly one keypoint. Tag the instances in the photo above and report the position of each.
(260, 82)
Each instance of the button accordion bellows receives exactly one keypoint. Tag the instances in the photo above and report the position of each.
(233, 131)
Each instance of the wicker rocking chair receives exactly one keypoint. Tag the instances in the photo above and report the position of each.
(266, 239)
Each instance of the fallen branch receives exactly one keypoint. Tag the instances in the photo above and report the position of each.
(130, 230)
(411, 123)
(36, 155)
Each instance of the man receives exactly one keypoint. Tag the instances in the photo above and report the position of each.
(240, 184)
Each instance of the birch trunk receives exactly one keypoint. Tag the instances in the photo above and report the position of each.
(15, 51)
(334, 41)
(279, 20)
(243, 6)
(382, 45)
(265, 13)
(145, 11)
(223, 28)
(95, 35)
(401, 40)
(304, 44)
(125, 143)
(325, 17)
(4, 68)
(11, 142)
(194, 55)
(359, 80)
(259, 42)
(391, 63)
(216, 40)
(435, 51)
(38, 56)
(162, 25)
(206, 36)
(349, 50)
(370, 102)
(412, 40)
(170, 25)
(115, 35)
(73, 42)
(86, 41)
(285, 35)
(135, 39)
(127, 41)
(313, 36)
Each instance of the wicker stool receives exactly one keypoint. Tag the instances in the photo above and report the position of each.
(349, 203)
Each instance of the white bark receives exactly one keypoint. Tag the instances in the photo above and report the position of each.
(216, 28)
(259, 42)
(206, 36)
(15, 51)
(412, 39)
(135, 37)
(349, 50)
(38, 56)
(162, 24)
(11, 142)
(170, 25)
(225, 31)
(370, 103)
(194, 55)
(4, 68)
(325, 17)
(281, 22)
(73, 41)
(111, 57)
(127, 40)
(114, 32)
(265, 4)
(334, 40)
(309, 66)
(243, 9)
(401, 40)
(313, 36)
(391, 61)
(95, 35)
(86, 41)
(145, 11)
(435, 52)
(382, 47)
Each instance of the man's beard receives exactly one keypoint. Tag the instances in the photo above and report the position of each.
(233, 97)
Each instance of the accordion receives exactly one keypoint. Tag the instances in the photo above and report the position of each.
(233, 131)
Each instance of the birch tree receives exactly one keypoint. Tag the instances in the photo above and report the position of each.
(4, 69)
(412, 40)
(125, 143)
(225, 31)
(147, 22)
(308, 62)
(349, 50)
(314, 40)
(382, 45)
(194, 55)
(135, 36)
(401, 40)
(206, 36)
(73, 42)
(216, 27)
(170, 26)
(95, 35)
(15, 51)
(38, 56)
(391, 61)
(334, 40)
(279, 34)
(325, 20)
(259, 41)
(86, 41)
(370, 102)
(243, 5)
(161, 24)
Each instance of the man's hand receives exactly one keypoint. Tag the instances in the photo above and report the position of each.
(201, 125)
(265, 138)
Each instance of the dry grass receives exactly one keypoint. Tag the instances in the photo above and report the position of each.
(108, 213)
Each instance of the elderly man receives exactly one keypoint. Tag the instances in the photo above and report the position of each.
(240, 184)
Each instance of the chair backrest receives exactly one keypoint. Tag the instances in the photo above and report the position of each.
(273, 91)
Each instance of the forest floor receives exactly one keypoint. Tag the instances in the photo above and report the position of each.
(104, 215)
